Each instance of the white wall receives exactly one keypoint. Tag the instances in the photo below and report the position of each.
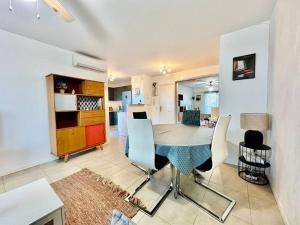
(24, 130)
(244, 95)
(284, 106)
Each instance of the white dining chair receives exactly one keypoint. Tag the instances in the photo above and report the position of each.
(219, 152)
(142, 153)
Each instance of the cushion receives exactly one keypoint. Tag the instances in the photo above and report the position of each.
(119, 219)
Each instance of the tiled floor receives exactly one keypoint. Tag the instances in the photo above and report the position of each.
(255, 204)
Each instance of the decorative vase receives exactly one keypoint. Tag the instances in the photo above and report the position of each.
(62, 91)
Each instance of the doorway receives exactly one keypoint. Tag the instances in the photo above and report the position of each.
(201, 94)
(166, 104)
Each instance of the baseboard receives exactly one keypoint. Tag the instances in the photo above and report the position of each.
(28, 166)
(283, 215)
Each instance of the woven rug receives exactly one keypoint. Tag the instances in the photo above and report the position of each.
(89, 199)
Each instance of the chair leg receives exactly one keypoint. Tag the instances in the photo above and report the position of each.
(225, 214)
(153, 211)
(142, 169)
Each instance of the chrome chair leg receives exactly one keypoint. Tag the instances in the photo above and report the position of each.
(131, 198)
(225, 214)
(145, 171)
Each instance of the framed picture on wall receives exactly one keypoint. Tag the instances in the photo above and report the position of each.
(244, 67)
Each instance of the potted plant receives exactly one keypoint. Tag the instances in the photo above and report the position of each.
(62, 87)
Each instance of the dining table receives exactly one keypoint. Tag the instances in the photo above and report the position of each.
(186, 147)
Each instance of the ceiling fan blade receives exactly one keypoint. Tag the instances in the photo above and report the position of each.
(57, 7)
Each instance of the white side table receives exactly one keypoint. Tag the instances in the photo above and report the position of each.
(35, 203)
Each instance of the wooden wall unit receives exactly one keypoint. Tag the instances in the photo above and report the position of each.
(80, 127)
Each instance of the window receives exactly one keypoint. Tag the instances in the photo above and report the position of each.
(210, 100)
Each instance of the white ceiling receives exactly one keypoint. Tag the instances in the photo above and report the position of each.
(201, 82)
(137, 36)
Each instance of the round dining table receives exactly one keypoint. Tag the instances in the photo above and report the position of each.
(186, 147)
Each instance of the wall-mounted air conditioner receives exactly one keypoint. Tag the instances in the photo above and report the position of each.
(89, 63)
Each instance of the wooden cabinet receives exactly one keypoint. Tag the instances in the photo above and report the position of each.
(70, 139)
(95, 134)
(76, 114)
(91, 121)
(91, 113)
(92, 88)
(91, 117)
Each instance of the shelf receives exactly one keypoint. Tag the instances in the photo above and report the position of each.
(71, 83)
(259, 165)
(98, 96)
(66, 119)
(62, 111)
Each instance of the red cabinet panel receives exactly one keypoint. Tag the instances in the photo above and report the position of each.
(95, 134)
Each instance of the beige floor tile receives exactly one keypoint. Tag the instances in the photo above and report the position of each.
(242, 206)
(178, 211)
(163, 176)
(264, 191)
(108, 171)
(92, 163)
(205, 219)
(155, 220)
(124, 178)
(151, 193)
(137, 218)
(18, 179)
(57, 170)
(264, 212)
(227, 176)
(133, 169)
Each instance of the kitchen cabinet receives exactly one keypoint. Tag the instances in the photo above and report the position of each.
(115, 94)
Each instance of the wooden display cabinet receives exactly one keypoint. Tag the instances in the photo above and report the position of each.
(76, 114)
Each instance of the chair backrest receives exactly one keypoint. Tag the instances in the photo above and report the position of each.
(219, 144)
(139, 115)
(141, 143)
(191, 117)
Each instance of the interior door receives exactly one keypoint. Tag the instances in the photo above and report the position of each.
(167, 103)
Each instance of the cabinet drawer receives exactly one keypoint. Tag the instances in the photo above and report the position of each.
(91, 113)
(91, 120)
(93, 88)
(70, 140)
(95, 134)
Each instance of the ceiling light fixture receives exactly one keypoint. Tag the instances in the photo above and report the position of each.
(110, 78)
(54, 4)
(10, 8)
(164, 70)
(37, 10)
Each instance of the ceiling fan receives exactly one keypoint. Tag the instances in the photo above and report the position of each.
(55, 5)
(58, 8)
(210, 83)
